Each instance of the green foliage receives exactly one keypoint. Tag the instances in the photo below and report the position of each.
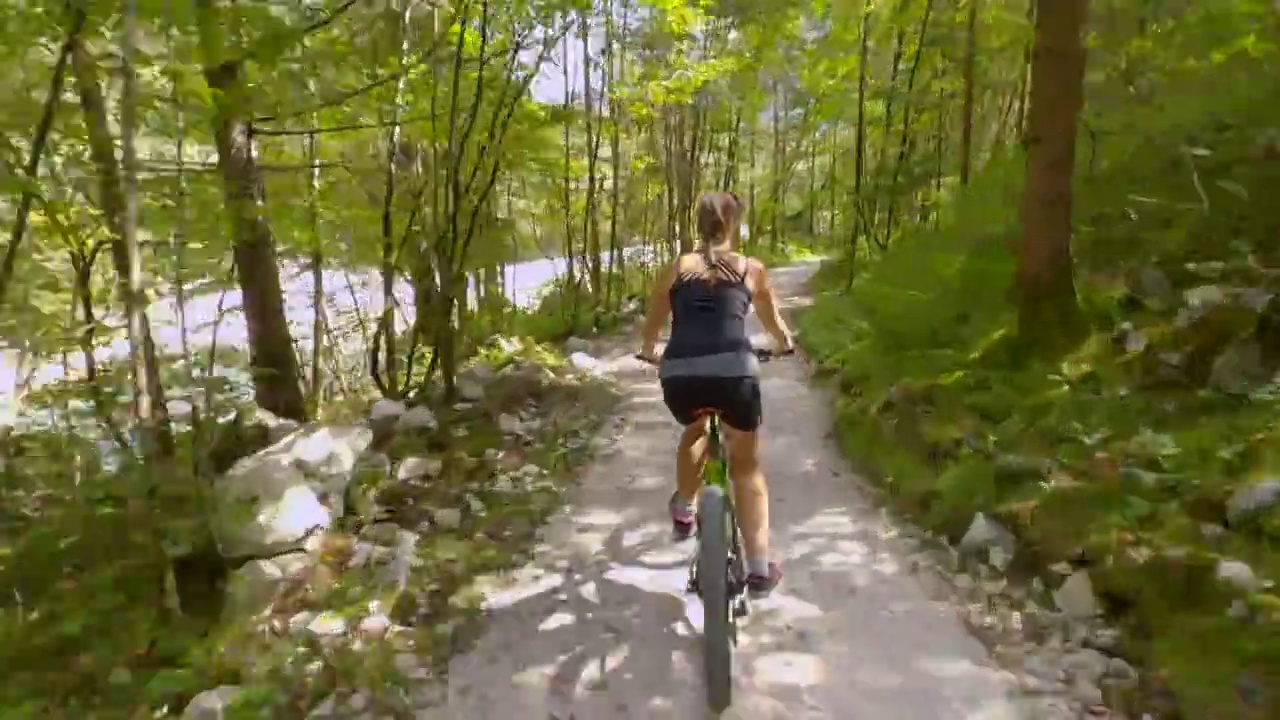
(1099, 451)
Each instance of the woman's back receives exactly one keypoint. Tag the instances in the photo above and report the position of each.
(710, 300)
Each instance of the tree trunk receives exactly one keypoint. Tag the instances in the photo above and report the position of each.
(860, 139)
(387, 322)
(1049, 315)
(905, 138)
(966, 129)
(38, 144)
(590, 230)
(117, 212)
(570, 252)
(271, 355)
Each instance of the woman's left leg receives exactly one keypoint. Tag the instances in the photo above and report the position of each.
(682, 398)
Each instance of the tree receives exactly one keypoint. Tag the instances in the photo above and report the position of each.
(1049, 315)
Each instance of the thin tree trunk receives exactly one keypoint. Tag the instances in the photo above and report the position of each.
(614, 64)
(860, 151)
(905, 137)
(1024, 80)
(970, 58)
(570, 251)
(317, 275)
(590, 233)
(38, 144)
(117, 204)
(388, 320)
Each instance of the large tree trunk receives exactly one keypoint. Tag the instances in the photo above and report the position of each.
(275, 367)
(1049, 316)
(271, 355)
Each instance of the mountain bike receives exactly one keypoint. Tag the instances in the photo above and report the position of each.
(718, 570)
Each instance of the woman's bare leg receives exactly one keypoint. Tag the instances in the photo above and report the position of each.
(750, 495)
(691, 456)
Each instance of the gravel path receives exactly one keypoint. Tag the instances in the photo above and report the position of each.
(599, 627)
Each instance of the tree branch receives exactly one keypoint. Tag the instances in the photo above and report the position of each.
(38, 144)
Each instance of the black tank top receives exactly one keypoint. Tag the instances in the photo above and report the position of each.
(709, 314)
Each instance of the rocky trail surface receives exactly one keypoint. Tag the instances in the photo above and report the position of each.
(870, 622)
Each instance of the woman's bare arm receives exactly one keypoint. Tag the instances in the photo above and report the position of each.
(767, 309)
(659, 309)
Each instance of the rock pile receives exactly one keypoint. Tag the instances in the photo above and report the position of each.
(305, 524)
(1049, 630)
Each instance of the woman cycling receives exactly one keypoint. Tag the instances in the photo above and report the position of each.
(709, 363)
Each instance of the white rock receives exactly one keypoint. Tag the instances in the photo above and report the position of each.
(374, 625)
(577, 344)
(448, 518)
(509, 424)
(268, 502)
(299, 621)
(252, 587)
(327, 624)
(211, 704)
(354, 707)
(1087, 694)
(1086, 664)
(506, 344)
(985, 533)
(265, 506)
(419, 467)
(329, 450)
(1253, 498)
(404, 557)
(1118, 669)
(386, 409)
(470, 390)
(417, 418)
(1238, 575)
(585, 363)
(1075, 597)
(410, 666)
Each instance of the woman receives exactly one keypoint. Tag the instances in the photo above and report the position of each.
(709, 363)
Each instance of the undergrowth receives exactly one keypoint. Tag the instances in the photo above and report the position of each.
(85, 625)
(1097, 458)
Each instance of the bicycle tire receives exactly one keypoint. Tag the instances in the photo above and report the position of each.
(713, 584)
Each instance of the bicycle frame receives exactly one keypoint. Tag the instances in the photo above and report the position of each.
(716, 472)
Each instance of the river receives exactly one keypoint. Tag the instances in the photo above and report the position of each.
(524, 283)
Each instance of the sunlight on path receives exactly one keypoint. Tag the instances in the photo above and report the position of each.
(599, 626)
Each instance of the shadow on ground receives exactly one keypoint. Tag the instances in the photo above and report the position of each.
(599, 625)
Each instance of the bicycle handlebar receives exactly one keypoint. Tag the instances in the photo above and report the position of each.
(763, 354)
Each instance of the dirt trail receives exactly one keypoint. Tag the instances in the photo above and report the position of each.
(598, 627)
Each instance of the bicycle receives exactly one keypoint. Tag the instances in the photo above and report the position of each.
(718, 572)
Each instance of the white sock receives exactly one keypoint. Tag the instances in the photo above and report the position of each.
(682, 507)
(758, 566)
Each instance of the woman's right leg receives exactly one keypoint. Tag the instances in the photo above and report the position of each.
(682, 397)
(750, 492)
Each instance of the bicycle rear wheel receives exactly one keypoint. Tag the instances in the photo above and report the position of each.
(713, 582)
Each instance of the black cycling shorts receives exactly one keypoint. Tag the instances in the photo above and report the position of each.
(737, 399)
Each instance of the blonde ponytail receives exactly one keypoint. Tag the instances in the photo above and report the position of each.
(718, 215)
